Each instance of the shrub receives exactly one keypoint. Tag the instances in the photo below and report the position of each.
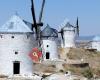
(61, 71)
(87, 73)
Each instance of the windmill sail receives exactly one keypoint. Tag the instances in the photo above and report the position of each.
(35, 24)
(41, 12)
(62, 36)
(40, 18)
(77, 27)
(34, 18)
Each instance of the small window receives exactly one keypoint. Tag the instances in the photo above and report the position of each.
(47, 45)
(28, 36)
(16, 52)
(66, 72)
(1, 36)
(12, 36)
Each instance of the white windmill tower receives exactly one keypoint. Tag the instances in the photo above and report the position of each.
(49, 43)
(95, 44)
(16, 41)
(68, 34)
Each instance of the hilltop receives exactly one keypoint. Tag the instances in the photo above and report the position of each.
(86, 55)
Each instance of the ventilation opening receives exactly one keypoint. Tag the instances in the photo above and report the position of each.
(16, 53)
(16, 67)
(47, 55)
(12, 36)
(47, 45)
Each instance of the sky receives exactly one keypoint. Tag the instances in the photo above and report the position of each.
(55, 12)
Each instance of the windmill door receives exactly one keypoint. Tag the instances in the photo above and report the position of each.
(47, 55)
(16, 67)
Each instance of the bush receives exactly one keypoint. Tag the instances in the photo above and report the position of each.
(87, 73)
(61, 71)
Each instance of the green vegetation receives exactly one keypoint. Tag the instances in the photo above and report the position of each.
(61, 71)
(87, 73)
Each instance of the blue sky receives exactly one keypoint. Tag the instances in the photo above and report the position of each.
(56, 11)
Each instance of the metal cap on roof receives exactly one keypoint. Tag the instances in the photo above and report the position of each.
(49, 32)
(68, 25)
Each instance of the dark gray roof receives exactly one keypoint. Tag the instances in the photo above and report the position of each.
(49, 32)
(68, 25)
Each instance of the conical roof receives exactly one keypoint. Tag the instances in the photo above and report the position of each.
(49, 32)
(15, 24)
(68, 25)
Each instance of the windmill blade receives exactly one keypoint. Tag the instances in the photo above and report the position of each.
(41, 12)
(40, 16)
(78, 30)
(77, 27)
(34, 18)
(62, 35)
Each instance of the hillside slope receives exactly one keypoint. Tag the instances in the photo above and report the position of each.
(89, 56)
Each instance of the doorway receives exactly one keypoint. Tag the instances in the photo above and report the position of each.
(16, 67)
(47, 55)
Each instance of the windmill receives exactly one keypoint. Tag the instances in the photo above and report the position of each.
(62, 31)
(36, 24)
(72, 29)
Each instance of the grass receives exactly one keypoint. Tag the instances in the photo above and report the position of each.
(93, 57)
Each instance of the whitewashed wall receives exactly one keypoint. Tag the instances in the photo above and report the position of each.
(69, 37)
(96, 45)
(52, 49)
(21, 43)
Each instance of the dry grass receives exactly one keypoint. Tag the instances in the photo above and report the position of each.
(44, 68)
(75, 70)
(92, 57)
